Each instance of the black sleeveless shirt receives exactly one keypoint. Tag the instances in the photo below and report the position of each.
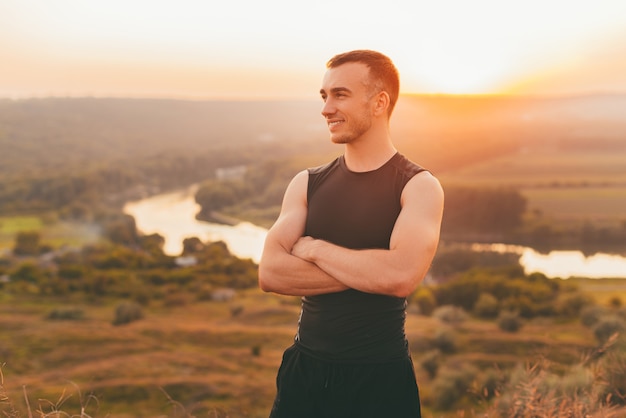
(356, 210)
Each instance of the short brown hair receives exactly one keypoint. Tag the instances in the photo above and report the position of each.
(382, 70)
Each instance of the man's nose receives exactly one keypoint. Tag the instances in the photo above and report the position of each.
(328, 108)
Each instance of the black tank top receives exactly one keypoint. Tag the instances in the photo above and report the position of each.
(357, 210)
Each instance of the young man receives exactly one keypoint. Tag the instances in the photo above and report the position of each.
(354, 238)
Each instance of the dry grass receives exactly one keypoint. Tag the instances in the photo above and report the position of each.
(201, 360)
(203, 356)
(536, 392)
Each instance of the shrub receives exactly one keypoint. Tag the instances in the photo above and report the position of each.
(590, 315)
(236, 310)
(536, 392)
(176, 299)
(430, 362)
(486, 306)
(127, 312)
(608, 326)
(452, 384)
(445, 340)
(255, 350)
(490, 382)
(613, 369)
(204, 292)
(509, 321)
(571, 304)
(503, 283)
(450, 314)
(615, 302)
(142, 296)
(521, 304)
(425, 300)
(67, 314)
(577, 382)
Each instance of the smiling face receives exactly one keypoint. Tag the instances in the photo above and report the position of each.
(348, 94)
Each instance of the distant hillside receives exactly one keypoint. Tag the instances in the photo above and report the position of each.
(441, 132)
(49, 133)
(447, 133)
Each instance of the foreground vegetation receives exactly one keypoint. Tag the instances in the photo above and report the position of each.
(220, 359)
(123, 330)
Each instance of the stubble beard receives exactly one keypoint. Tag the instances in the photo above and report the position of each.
(362, 125)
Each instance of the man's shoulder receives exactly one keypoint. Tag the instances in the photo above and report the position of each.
(407, 167)
(324, 167)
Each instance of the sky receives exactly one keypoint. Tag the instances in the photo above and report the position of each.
(275, 49)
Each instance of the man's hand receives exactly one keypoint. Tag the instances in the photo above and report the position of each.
(302, 248)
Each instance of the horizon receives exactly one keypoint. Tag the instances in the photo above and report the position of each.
(527, 96)
(245, 50)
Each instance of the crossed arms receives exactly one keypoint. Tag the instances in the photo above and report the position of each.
(302, 266)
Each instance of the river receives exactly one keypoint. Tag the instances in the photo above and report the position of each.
(172, 215)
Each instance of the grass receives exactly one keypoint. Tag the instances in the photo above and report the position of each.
(603, 290)
(563, 185)
(597, 203)
(202, 359)
(547, 166)
(199, 354)
(55, 234)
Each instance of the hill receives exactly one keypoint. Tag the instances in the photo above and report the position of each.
(445, 132)
(60, 153)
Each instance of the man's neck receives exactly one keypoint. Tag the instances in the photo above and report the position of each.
(363, 156)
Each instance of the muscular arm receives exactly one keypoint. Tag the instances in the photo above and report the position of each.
(279, 270)
(413, 243)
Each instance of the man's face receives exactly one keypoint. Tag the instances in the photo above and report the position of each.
(346, 93)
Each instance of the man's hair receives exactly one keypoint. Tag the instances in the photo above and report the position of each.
(383, 72)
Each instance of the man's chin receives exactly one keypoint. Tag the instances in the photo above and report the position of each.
(339, 139)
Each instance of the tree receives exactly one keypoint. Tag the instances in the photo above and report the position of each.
(122, 230)
(488, 210)
(192, 245)
(27, 243)
(486, 306)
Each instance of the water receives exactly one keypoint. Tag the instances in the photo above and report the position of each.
(563, 264)
(172, 215)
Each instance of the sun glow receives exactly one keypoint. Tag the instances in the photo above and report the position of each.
(246, 48)
(453, 74)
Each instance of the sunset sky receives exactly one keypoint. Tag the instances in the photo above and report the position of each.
(242, 49)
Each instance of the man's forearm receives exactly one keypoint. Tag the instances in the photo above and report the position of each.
(289, 275)
(373, 271)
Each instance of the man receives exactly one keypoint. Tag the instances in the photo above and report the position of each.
(354, 238)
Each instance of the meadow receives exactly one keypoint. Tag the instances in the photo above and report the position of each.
(219, 359)
(53, 232)
(565, 186)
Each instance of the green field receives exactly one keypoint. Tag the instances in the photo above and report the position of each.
(53, 233)
(545, 167)
(597, 204)
(561, 185)
(603, 290)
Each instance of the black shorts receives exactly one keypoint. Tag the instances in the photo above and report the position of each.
(310, 388)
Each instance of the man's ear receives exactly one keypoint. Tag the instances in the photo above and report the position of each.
(382, 102)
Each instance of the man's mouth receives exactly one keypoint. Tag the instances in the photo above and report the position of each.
(334, 123)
